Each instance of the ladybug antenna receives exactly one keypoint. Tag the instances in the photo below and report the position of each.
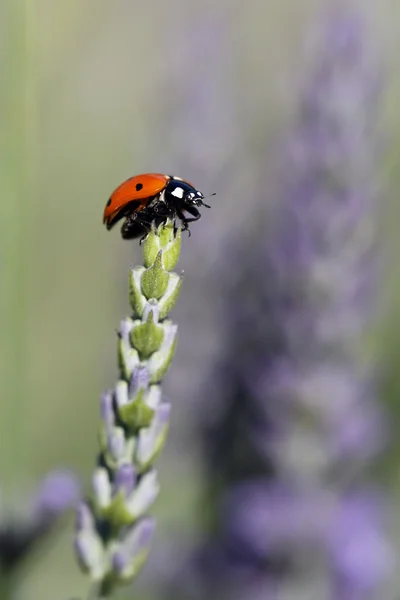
(207, 205)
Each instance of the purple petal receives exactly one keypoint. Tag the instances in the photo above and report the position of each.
(361, 556)
(106, 410)
(125, 479)
(136, 541)
(58, 492)
(139, 380)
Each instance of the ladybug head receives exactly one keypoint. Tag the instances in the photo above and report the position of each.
(194, 198)
(183, 193)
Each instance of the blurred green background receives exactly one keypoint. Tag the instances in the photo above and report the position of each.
(92, 93)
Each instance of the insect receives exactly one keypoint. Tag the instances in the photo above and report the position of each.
(152, 198)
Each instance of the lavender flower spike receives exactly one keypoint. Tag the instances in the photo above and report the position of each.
(295, 422)
(113, 533)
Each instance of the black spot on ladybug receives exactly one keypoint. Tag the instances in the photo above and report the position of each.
(109, 202)
(139, 186)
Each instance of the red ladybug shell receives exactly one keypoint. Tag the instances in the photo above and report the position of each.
(136, 191)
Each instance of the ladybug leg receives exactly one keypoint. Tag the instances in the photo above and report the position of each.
(144, 237)
(193, 211)
(148, 220)
(185, 220)
(162, 210)
(135, 226)
(182, 219)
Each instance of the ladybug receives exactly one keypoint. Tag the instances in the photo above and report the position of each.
(152, 198)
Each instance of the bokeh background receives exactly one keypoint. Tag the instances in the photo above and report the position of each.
(92, 93)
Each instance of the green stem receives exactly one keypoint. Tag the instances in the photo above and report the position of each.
(100, 592)
(12, 177)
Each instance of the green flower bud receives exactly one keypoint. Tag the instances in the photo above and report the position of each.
(131, 551)
(159, 363)
(163, 239)
(151, 440)
(155, 279)
(136, 298)
(89, 547)
(171, 251)
(168, 301)
(128, 357)
(133, 410)
(146, 337)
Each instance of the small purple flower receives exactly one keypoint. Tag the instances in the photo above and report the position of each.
(58, 492)
(261, 517)
(133, 549)
(19, 533)
(125, 480)
(360, 555)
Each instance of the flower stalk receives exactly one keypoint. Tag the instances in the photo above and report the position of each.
(113, 530)
(295, 423)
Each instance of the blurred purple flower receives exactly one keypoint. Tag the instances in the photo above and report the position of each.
(58, 492)
(358, 550)
(292, 420)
